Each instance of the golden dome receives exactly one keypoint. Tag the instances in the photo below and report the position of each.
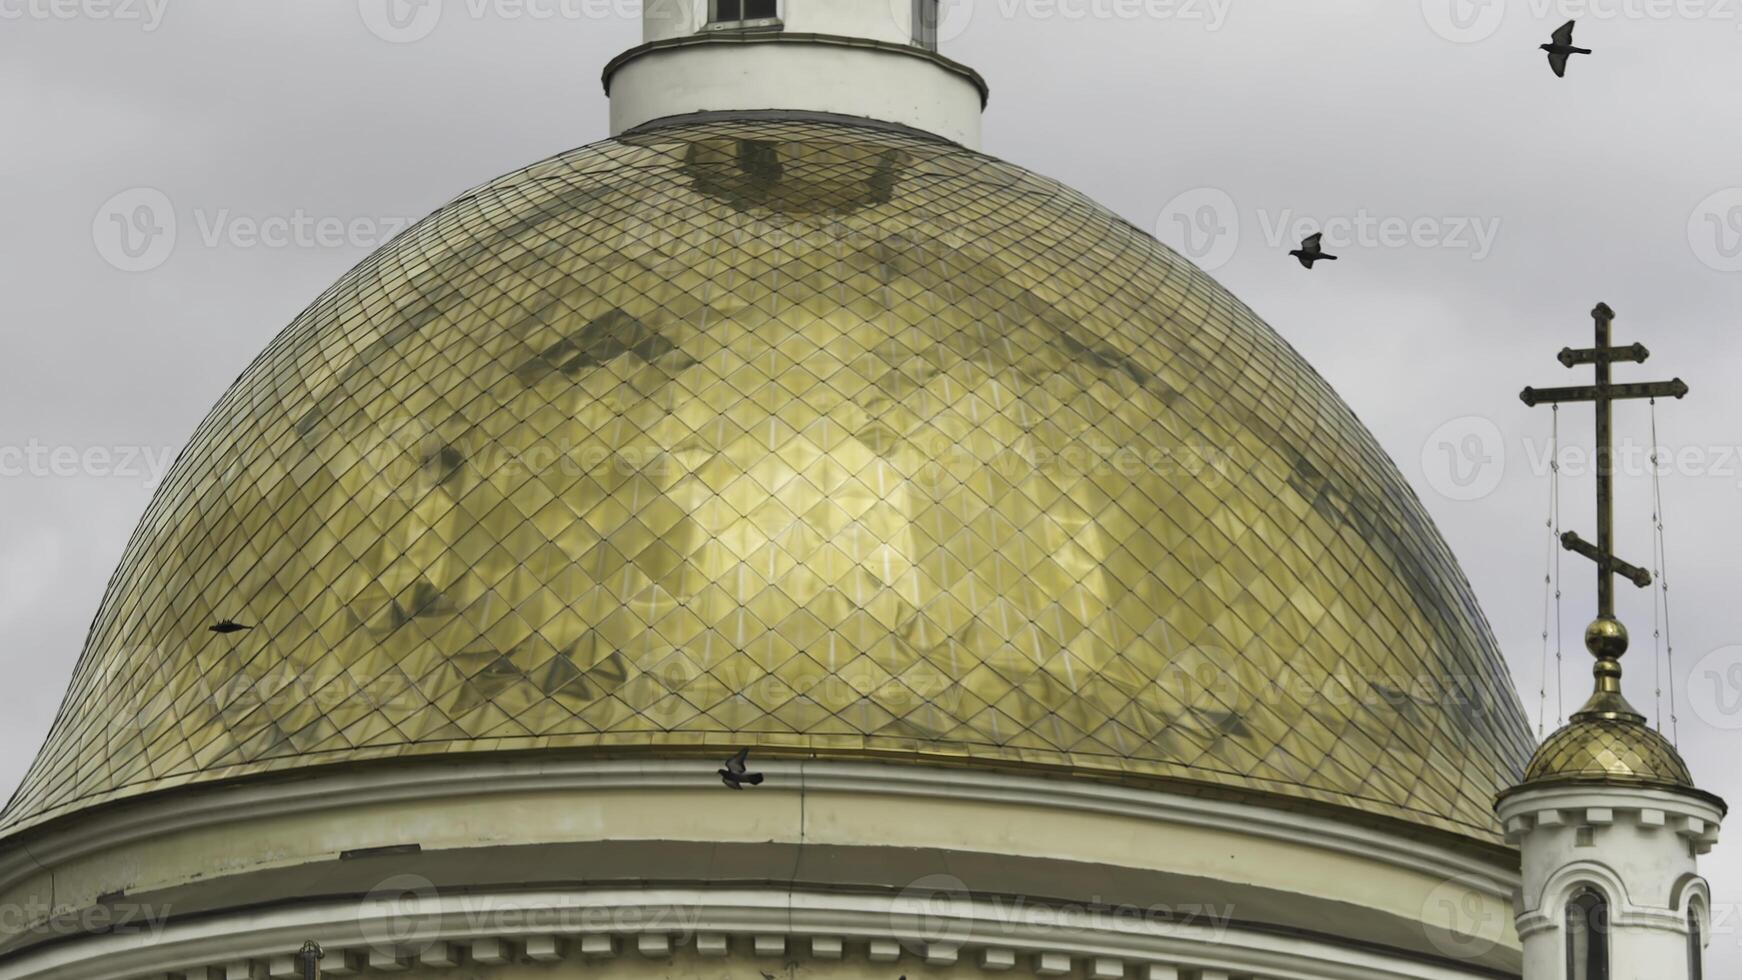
(833, 440)
(1603, 750)
(1607, 741)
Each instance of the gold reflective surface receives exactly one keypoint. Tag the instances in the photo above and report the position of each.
(822, 439)
(1609, 751)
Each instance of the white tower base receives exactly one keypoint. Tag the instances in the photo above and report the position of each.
(859, 58)
(1635, 847)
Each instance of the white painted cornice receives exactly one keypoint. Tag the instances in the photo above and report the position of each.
(335, 792)
(1694, 818)
(416, 925)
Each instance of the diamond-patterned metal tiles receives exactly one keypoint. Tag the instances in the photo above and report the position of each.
(829, 440)
(1609, 751)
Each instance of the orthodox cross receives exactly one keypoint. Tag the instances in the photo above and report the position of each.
(1604, 394)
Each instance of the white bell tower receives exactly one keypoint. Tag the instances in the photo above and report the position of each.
(868, 59)
(1610, 828)
(1608, 822)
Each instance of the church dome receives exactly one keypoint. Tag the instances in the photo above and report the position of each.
(835, 440)
(1612, 751)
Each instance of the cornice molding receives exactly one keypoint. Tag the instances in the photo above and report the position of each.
(337, 791)
(388, 933)
(1693, 817)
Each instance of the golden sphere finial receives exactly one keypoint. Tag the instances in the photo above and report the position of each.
(1606, 639)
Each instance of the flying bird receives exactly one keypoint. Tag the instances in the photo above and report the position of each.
(1312, 250)
(229, 626)
(737, 771)
(1561, 49)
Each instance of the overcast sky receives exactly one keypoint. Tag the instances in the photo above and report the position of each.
(1481, 206)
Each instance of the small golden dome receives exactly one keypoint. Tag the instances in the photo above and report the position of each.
(1609, 751)
(1607, 741)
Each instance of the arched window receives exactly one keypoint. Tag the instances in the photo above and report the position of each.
(1696, 946)
(1588, 936)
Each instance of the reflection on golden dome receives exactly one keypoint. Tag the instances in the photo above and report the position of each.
(832, 440)
(1601, 750)
(1607, 741)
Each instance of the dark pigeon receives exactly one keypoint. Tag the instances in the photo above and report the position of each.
(1312, 250)
(1561, 50)
(737, 772)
